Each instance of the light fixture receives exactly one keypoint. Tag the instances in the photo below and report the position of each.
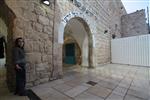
(113, 36)
(46, 2)
(106, 31)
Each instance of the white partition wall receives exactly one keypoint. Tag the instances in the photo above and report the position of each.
(131, 50)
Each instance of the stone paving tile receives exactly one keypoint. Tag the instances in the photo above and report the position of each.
(41, 92)
(129, 97)
(114, 96)
(74, 83)
(111, 80)
(62, 87)
(127, 80)
(120, 91)
(13, 97)
(140, 85)
(139, 94)
(99, 91)
(87, 96)
(140, 89)
(68, 78)
(125, 85)
(48, 85)
(107, 85)
(76, 91)
(54, 95)
(56, 82)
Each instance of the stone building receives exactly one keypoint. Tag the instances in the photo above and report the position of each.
(134, 24)
(59, 34)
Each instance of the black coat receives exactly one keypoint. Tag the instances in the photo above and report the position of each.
(19, 56)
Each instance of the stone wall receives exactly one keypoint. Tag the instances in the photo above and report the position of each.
(101, 16)
(108, 14)
(34, 22)
(134, 24)
(3, 28)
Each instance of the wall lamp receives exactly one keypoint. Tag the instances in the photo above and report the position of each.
(113, 36)
(106, 31)
(46, 2)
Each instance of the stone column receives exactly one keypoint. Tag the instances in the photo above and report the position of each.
(8, 17)
(57, 47)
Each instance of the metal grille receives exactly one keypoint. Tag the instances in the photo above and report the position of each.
(91, 83)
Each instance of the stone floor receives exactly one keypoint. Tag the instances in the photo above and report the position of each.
(108, 82)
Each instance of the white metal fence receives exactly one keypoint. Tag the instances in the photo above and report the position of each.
(131, 50)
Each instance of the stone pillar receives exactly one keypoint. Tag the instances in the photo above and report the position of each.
(57, 47)
(8, 18)
(91, 65)
(33, 22)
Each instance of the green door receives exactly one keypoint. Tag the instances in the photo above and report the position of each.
(70, 53)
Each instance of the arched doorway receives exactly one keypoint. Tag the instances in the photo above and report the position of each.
(6, 20)
(3, 37)
(71, 51)
(78, 43)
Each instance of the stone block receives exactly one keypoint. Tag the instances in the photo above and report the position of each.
(39, 10)
(18, 22)
(49, 58)
(44, 80)
(28, 29)
(37, 82)
(30, 16)
(29, 84)
(41, 67)
(30, 77)
(18, 32)
(36, 46)
(38, 27)
(48, 29)
(43, 36)
(28, 45)
(43, 20)
(44, 58)
(34, 58)
(50, 14)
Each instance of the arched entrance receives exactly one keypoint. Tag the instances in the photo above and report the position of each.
(6, 23)
(78, 43)
(71, 51)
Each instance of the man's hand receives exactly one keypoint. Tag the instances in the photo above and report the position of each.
(18, 67)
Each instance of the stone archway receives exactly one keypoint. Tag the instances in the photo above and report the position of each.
(7, 15)
(89, 34)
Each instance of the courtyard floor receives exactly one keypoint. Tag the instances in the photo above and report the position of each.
(106, 82)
